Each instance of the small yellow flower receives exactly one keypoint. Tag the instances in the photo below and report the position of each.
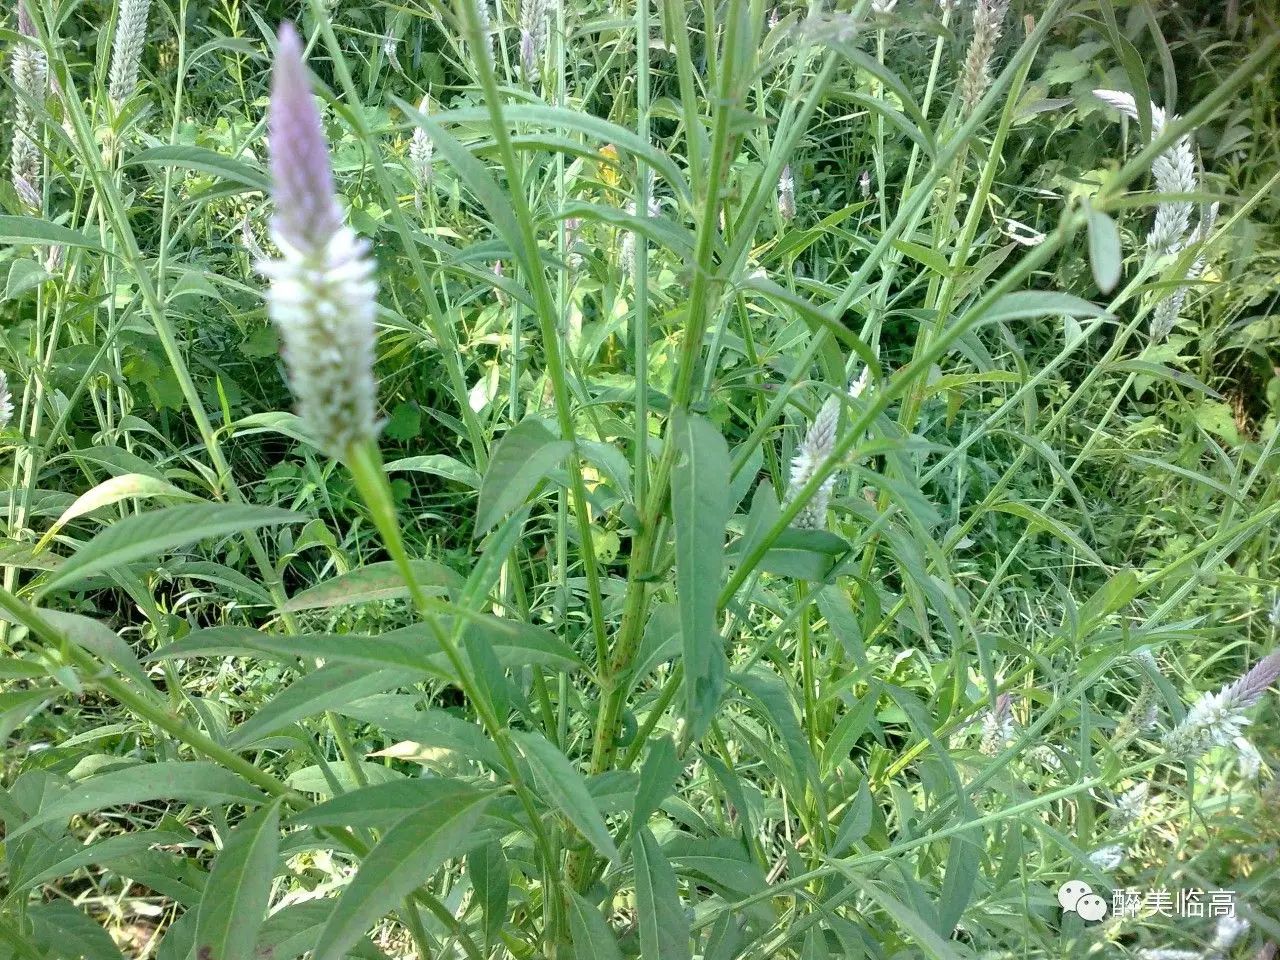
(608, 168)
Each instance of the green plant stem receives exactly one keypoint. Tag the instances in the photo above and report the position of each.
(548, 328)
(365, 463)
(640, 326)
(604, 743)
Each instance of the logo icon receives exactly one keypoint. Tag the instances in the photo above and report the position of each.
(1078, 897)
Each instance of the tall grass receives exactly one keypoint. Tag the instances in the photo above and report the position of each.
(818, 494)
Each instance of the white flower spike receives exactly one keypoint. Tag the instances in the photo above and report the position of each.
(322, 286)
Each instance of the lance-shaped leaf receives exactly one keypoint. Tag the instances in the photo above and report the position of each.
(239, 889)
(408, 854)
(700, 503)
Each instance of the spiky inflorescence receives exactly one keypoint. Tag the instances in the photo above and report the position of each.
(630, 264)
(988, 21)
(30, 78)
(859, 383)
(1139, 715)
(571, 227)
(420, 151)
(30, 70)
(1131, 805)
(1107, 858)
(322, 286)
(535, 16)
(1166, 312)
(484, 20)
(126, 48)
(1174, 171)
(1047, 756)
(787, 194)
(997, 726)
(1216, 719)
(1249, 759)
(819, 440)
(504, 300)
(6, 401)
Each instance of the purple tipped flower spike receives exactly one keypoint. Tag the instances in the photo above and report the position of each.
(307, 213)
(1216, 719)
(322, 286)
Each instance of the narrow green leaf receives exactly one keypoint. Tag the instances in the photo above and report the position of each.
(148, 535)
(1038, 518)
(407, 855)
(855, 823)
(565, 787)
(69, 934)
(413, 648)
(238, 893)
(597, 129)
(491, 880)
(293, 931)
(928, 942)
(438, 465)
(805, 554)
(521, 459)
(657, 777)
(664, 928)
(202, 160)
(700, 505)
(199, 782)
(373, 581)
(55, 862)
(96, 637)
(320, 780)
(815, 947)
(591, 936)
(720, 861)
(958, 882)
(385, 804)
(24, 275)
(1039, 303)
(31, 230)
(1110, 597)
(113, 490)
(331, 685)
(400, 716)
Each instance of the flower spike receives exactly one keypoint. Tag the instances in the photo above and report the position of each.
(322, 288)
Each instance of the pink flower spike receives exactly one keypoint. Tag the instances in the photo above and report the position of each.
(1249, 689)
(307, 213)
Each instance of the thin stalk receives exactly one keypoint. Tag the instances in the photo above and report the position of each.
(365, 464)
(640, 332)
(546, 316)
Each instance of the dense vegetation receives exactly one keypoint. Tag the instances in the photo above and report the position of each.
(770, 481)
